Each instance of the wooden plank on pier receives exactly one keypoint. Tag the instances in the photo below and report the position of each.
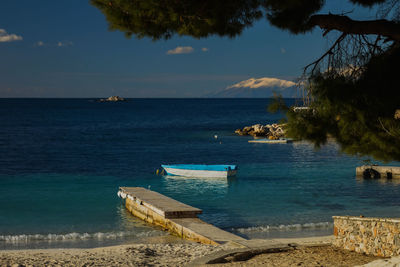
(177, 217)
(160, 204)
(208, 231)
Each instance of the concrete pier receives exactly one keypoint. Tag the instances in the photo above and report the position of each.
(374, 171)
(176, 217)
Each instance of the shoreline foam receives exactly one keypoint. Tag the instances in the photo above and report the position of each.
(100, 239)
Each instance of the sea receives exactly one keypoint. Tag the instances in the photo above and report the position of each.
(63, 160)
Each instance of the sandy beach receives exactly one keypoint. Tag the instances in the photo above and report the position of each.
(320, 255)
(123, 255)
(307, 252)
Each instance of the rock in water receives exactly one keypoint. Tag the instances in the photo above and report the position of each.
(275, 131)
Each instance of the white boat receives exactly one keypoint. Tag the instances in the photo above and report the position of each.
(202, 171)
(271, 141)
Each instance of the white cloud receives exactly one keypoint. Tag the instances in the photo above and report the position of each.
(180, 50)
(204, 49)
(5, 37)
(263, 82)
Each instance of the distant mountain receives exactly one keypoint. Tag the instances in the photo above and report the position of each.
(258, 88)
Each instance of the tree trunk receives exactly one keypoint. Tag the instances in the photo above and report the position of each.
(346, 25)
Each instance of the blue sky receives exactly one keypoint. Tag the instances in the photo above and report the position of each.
(67, 51)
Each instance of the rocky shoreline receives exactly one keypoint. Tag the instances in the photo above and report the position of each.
(271, 131)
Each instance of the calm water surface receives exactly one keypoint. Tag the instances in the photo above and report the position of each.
(62, 161)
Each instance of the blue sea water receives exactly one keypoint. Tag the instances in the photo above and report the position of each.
(62, 161)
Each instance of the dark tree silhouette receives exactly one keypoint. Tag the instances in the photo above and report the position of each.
(352, 88)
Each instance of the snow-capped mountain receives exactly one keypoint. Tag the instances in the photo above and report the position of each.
(258, 88)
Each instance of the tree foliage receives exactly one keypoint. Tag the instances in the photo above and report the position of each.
(164, 18)
(159, 19)
(352, 87)
(358, 114)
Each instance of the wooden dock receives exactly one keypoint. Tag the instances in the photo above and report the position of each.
(176, 217)
(271, 141)
(374, 171)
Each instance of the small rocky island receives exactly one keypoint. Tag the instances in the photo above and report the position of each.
(113, 98)
(273, 131)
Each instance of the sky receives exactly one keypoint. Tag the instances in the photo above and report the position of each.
(63, 48)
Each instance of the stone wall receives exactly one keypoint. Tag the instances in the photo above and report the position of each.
(373, 236)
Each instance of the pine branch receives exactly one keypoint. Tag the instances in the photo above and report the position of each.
(383, 27)
(315, 63)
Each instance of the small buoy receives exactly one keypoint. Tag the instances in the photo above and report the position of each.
(216, 136)
(220, 143)
(157, 171)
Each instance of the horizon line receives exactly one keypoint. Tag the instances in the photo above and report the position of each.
(52, 97)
